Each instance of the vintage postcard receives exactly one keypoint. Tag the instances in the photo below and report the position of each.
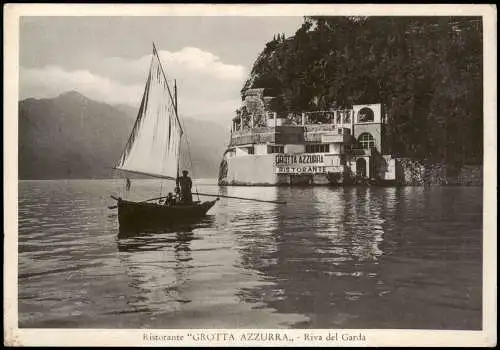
(250, 175)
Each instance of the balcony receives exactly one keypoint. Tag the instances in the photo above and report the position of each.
(319, 127)
(314, 133)
(279, 134)
(290, 134)
(327, 134)
(251, 136)
(332, 137)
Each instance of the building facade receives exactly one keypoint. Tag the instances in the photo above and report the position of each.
(310, 148)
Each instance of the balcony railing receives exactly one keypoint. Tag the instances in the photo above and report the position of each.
(251, 138)
(313, 133)
(334, 138)
(278, 134)
(319, 127)
(325, 133)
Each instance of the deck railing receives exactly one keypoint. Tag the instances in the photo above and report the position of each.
(321, 133)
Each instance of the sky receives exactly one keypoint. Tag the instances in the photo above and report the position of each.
(107, 58)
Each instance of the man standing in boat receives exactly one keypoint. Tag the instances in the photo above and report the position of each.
(185, 184)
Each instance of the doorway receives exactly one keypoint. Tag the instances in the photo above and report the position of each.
(361, 167)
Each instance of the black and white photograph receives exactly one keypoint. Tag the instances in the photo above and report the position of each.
(267, 175)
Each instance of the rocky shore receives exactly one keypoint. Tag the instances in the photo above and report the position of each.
(417, 173)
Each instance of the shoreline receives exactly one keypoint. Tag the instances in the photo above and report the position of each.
(213, 182)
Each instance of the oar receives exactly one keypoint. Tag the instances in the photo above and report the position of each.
(211, 195)
(243, 198)
(220, 195)
(146, 200)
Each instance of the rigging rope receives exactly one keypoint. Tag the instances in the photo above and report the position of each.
(190, 160)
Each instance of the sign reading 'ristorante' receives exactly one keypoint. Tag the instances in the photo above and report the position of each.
(299, 164)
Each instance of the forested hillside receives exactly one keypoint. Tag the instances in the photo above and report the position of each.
(427, 71)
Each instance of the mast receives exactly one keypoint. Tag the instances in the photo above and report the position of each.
(175, 107)
(175, 95)
(168, 88)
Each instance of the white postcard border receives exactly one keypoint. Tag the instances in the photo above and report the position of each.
(119, 337)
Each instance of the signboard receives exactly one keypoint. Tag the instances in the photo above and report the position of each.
(297, 164)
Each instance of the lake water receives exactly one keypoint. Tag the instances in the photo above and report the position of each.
(349, 257)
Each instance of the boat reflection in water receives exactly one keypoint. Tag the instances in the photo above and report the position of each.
(180, 225)
(331, 258)
(157, 264)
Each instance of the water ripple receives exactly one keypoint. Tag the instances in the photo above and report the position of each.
(330, 258)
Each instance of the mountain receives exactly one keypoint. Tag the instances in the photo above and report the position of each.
(72, 136)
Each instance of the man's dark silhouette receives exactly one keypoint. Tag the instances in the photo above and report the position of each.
(185, 183)
(170, 200)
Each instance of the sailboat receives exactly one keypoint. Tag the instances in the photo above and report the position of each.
(153, 149)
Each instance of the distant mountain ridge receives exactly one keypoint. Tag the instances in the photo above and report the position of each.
(72, 136)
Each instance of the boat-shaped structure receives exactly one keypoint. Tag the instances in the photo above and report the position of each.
(308, 148)
(143, 216)
(153, 149)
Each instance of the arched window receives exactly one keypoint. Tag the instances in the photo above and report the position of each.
(366, 140)
(365, 115)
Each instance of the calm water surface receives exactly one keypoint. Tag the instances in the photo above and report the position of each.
(330, 258)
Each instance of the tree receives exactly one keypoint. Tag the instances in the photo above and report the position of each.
(427, 71)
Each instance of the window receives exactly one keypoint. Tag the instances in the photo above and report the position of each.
(275, 149)
(366, 140)
(365, 115)
(318, 148)
(250, 150)
(339, 131)
(346, 117)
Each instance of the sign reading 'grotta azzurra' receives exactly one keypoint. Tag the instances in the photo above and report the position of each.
(299, 164)
(282, 159)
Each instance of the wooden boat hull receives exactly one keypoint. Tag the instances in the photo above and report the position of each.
(137, 216)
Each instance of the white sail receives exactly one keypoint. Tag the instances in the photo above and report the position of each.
(153, 146)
